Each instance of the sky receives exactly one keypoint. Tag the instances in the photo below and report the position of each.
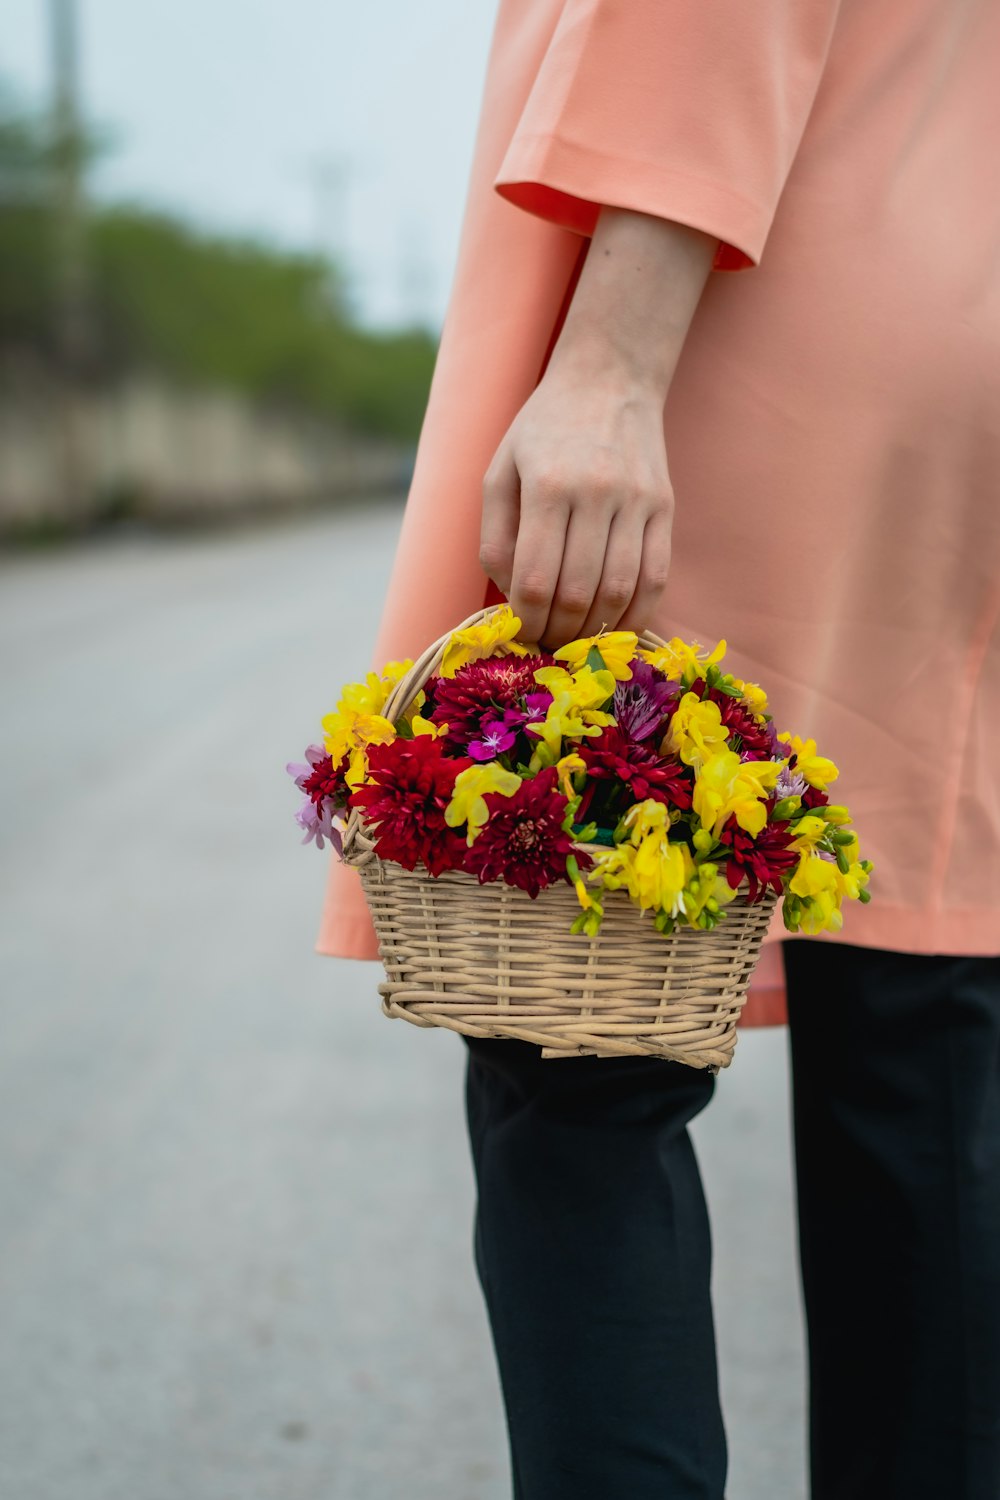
(308, 123)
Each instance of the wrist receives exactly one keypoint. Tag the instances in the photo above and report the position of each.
(604, 356)
(634, 300)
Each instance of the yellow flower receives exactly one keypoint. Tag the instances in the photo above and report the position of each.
(420, 725)
(358, 720)
(817, 882)
(564, 769)
(854, 880)
(725, 786)
(696, 730)
(644, 818)
(499, 629)
(755, 696)
(816, 769)
(573, 713)
(585, 687)
(681, 660)
(467, 805)
(662, 870)
(808, 830)
(653, 870)
(617, 648)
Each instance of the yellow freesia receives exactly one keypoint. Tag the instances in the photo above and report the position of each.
(653, 870)
(809, 830)
(682, 660)
(696, 730)
(564, 769)
(725, 786)
(817, 882)
(816, 769)
(644, 818)
(661, 872)
(573, 713)
(358, 720)
(755, 696)
(617, 648)
(420, 725)
(467, 805)
(585, 687)
(482, 640)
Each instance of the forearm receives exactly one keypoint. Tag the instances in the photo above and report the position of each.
(634, 301)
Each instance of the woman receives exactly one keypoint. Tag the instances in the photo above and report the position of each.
(803, 458)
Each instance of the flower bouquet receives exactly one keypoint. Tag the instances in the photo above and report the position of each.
(581, 848)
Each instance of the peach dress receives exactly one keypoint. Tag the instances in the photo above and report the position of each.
(833, 428)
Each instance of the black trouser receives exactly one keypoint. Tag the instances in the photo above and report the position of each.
(593, 1250)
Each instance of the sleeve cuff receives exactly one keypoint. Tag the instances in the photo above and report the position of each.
(568, 184)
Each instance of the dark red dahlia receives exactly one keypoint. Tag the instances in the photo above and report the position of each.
(523, 841)
(813, 797)
(324, 779)
(612, 755)
(480, 688)
(761, 859)
(410, 784)
(761, 739)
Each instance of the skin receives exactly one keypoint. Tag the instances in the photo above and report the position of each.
(577, 501)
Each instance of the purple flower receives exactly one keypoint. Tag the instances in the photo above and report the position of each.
(326, 795)
(788, 784)
(641, 704)
(317, 821)
(301, 773)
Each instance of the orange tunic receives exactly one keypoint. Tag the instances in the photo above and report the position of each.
(833, 427)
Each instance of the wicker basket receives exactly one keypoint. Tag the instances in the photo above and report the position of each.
(491, 961)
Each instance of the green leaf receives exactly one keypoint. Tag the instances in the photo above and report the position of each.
(595, 661)
(403, 729)
(590, 833)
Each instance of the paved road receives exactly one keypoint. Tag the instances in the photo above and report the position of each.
(236, 1202)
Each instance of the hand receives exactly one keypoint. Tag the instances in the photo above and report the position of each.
(577, 503)
(578, 507)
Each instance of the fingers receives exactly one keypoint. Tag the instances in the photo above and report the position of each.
(619, 573)
(654, 567)
(538, 555)
(501, 514)
(579, 578)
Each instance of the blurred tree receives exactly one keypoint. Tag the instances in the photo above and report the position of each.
(200, 309)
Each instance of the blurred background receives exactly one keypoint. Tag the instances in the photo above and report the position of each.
(237, 1205)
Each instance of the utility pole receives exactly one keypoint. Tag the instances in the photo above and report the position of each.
(331, 175)
(72, 328)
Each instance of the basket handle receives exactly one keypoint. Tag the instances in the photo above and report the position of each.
(356, 843)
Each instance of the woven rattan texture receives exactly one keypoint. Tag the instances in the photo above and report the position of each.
(488, 960)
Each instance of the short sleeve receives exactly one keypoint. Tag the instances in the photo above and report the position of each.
(692, 110)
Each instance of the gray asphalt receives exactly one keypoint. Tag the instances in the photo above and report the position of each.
(236, 1202)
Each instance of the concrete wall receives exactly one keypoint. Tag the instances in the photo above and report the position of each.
(146, 448)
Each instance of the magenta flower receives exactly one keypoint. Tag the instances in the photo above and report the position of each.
(497, 734)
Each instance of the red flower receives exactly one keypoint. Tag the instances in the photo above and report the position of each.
(612, 755)
(410, 784)
(479, 688)
(738, 719)
(324, 779)
(523, 842)
(761, 859)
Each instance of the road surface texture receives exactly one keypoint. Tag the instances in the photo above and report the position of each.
(236, 1201)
